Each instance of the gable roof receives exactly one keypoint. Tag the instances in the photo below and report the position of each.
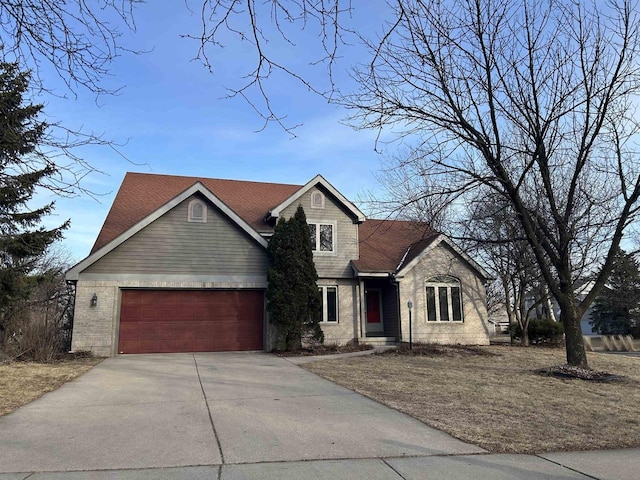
(386, 246)
(396, 246)
(72, 274)
(409, 263)
(141, 194)
(318, 180)
(384, 243)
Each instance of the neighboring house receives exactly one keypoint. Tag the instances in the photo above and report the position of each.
(498, 320)
(582, 290)
(180, 265)
(585, 322)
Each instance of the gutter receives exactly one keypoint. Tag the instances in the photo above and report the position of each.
(403, 259)
(396, 282)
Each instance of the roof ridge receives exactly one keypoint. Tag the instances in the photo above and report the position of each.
(196, 178)
(398, 220)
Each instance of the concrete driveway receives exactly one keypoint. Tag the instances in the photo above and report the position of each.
(231, 416)
(145, 411)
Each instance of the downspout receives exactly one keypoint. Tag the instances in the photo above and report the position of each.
(361, 300)
(395, 280)
(73, 314)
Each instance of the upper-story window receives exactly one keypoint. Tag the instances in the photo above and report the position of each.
(444, 300)
(322, 237)
(197, 212)
(317, 199)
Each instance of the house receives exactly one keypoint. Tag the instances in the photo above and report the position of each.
(180, 265)
(585, 321)
(498, 319)
(582, 290)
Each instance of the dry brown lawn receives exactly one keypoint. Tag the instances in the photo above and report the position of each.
(23, 382)
(497, 401)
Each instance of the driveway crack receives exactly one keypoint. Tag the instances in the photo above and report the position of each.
(206, 401)
(394, 469)
(565, 466)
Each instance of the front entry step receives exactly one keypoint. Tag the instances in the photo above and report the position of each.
(379, 341)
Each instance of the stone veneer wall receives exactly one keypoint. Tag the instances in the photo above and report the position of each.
(94, 328)
(347, 328)
(444, 261)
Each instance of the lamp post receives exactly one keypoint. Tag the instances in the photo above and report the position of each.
(410, 305)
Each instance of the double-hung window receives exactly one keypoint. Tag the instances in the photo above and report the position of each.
(322, 237)
(329, 311)
(444, 299)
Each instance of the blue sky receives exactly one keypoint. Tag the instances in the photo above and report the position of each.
(171, 118)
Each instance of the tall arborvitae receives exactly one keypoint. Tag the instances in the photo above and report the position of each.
(311, 299)
(292, 293)
(22, 169)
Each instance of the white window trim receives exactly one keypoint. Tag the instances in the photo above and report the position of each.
(190, 217)
(325, 311)
(314, 194)
(334, 242)
(448, 286)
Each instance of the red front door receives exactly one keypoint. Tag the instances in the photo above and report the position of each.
(374, 315)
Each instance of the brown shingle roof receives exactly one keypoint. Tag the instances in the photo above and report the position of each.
(141, 194)
(384, 243)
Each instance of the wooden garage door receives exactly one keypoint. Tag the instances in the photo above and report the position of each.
(164, 321)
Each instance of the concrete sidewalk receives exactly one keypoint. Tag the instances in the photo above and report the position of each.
(613, 465)
(247, 416)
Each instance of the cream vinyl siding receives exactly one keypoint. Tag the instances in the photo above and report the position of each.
(345, 236)
(172, 245)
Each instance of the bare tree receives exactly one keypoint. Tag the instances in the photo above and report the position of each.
(39, 325)
(495, 299)
(495, 235)
(534, 100)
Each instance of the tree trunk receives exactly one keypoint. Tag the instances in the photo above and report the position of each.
(576, 354)
(291, 342)
(523, 318)
(552, 314)
(539, 311)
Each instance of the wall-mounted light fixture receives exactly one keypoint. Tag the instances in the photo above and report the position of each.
(94, 300)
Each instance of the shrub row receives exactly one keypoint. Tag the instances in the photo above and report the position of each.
(540, 331)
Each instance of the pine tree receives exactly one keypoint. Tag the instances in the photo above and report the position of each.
(23, 168)
(617, 309)
(292, 293)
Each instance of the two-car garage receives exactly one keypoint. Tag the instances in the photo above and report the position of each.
(167, 321)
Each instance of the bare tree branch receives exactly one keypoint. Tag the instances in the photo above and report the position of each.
(76, 40)
(260, 24)
(533, 100)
